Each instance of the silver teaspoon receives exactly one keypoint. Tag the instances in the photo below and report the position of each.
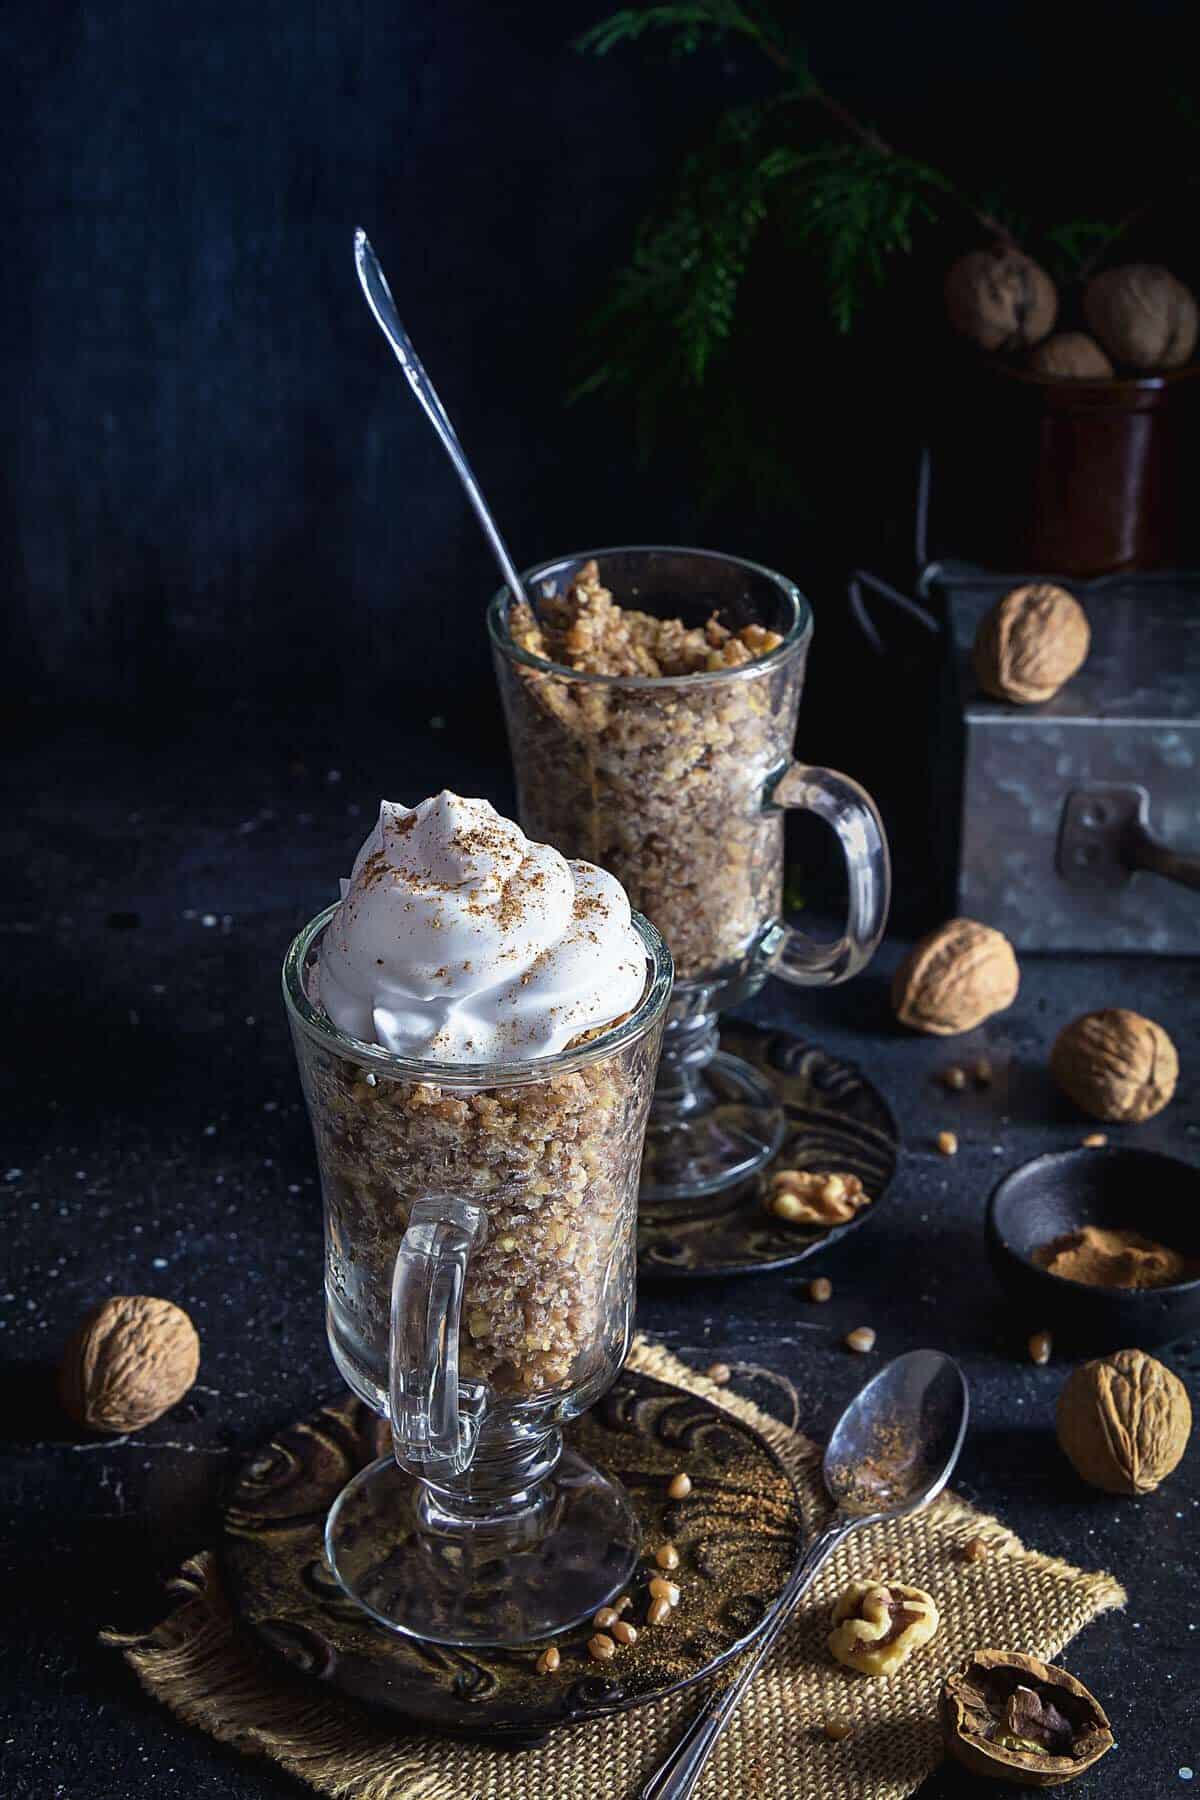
(892, 1451)
(379, 298)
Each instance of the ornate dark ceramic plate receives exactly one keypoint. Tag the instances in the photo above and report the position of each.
(739, 1532)
(836, 1120)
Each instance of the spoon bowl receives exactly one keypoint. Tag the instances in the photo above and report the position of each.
(893, 1448)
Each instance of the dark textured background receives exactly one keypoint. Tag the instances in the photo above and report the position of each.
(213, 481)
(218, 504)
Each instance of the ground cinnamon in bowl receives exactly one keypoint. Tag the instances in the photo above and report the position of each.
(1114, 1258)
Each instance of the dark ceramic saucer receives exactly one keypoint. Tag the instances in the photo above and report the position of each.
(739, 1533)
(1118, 1187)
(835, 1120)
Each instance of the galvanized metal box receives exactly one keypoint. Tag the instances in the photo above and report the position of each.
(1050, 797)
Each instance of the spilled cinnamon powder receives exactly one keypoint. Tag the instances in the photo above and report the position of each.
(1114, 1259)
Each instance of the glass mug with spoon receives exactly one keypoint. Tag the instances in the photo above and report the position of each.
(653, 735)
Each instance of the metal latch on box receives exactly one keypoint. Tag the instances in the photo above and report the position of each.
(1104, 837)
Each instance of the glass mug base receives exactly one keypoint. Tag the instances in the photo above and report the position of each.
(731, 1126)
(527, 1572)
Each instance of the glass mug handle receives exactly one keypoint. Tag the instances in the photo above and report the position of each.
(850, 810)
(435, 1416)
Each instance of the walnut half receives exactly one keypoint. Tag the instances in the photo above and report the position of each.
(877, 1625)
(807, 1197)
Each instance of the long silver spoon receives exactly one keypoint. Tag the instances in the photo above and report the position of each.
(379, 299)
(892, 1451)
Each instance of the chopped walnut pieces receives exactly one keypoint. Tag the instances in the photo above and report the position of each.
(807, 1197)
(878, 1625)
(585, 629)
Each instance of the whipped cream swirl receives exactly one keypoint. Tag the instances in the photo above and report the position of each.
(459, 940)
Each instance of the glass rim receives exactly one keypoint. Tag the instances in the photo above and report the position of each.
(318, 1026)
(797, 634)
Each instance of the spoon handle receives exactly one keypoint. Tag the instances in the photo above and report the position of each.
(379, 298)
(677, 1775)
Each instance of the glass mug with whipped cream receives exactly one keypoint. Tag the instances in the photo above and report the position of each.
(478, 1025)
(651, 697)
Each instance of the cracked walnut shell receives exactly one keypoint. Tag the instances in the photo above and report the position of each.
(1123, 1422)
(1115, 1064)
(877, 1625)
(954, 978)
(128, 1363)
(1010, 1717)
(1031, 642)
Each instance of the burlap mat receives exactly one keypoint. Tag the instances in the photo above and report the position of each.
(213, 1674)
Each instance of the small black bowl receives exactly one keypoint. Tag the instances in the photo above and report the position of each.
(1137, 1190)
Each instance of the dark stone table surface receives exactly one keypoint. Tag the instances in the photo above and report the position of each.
(155, 1143)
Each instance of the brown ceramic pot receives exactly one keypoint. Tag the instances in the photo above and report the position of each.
(1067, 477)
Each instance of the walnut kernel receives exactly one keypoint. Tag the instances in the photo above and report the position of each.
(878, 1625)
(811, 1197)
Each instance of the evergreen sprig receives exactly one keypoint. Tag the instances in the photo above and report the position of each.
(856, 207)
(851, 205)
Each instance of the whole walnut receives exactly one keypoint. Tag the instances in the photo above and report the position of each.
(130, 1360)
(954, 978)
(1031, 642)
(1124, 1422)
(1142, 315)
(1071, 356)
(1115, 1064)
(1000, 299)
